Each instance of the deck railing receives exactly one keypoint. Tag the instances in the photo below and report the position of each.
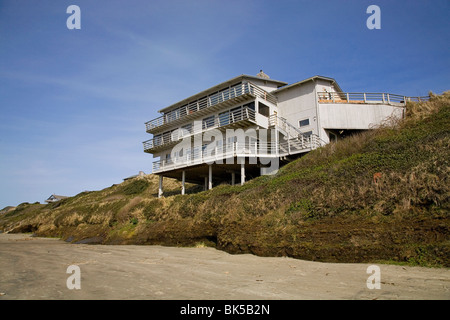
(211, 100)
(365, 97)
(226, 149)
(223, 119)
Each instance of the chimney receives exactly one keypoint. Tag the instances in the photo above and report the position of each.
(262, 75)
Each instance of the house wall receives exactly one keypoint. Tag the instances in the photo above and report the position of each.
(323, 85)
(320, 87)
(356, 116)
(298, 103)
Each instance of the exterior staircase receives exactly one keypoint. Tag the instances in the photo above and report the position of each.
(293, 140)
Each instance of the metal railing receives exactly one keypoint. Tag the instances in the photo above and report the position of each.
(223, 119)
(365, 97)
(284, 125)
(211, 100)
(293, 132)
(227, 149)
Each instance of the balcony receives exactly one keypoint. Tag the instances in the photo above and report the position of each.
(226, 149)
(240, 117)
(209, 104)
(367, 98)
(361, 111)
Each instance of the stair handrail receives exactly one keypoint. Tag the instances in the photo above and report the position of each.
(287, 125)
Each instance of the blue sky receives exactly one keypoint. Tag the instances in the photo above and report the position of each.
(74, 102)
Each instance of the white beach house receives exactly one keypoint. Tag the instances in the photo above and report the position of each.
(250, 125)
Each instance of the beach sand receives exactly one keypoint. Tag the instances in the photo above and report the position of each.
(35, 268)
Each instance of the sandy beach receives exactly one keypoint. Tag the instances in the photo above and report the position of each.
(36, 268)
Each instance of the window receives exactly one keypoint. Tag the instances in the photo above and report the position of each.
(202, 102)
(192, 107)
(186, 130)
(166, 136)
(251, 143)
(230, 143)
(236, 114)
(157, 140)
(224, 94)
(303, 123)
(204, 149)
(219, 145)
(235, 90)
(173, 115)
(250, 105)
(248, 111)
(263, 109)
(224, 118)
(307, 134)
(208, 122)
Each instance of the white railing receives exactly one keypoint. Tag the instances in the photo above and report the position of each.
(226, 149)
(223, 119)
(365, 97)
(284, 125)
(293, 132)
(211, 100)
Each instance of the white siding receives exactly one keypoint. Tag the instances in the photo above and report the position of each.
(298, 103)
(356, 116)
(264, 84)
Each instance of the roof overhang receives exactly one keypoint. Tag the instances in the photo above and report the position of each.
(218, 87)
(315, 78)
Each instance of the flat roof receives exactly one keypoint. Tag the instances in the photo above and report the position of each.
(218, 87)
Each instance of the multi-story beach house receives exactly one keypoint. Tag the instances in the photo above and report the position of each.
(250, 125)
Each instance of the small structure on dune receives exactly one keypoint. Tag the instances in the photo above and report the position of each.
(141, 174)
(55, 198)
